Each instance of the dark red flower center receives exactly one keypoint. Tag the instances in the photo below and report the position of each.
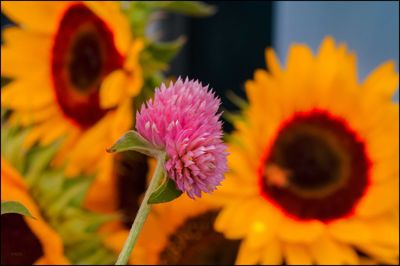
(19, 246)
(315, 168)
(83, 54)
(131, 170)
(196, 242)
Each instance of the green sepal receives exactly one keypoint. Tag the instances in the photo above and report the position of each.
(166, 192)
(14, 207)
(133, 141)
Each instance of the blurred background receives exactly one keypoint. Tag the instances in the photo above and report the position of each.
(224, 49)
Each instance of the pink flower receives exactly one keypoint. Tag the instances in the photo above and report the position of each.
(183, 120)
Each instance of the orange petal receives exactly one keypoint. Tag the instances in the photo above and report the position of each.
(26, 94)
(298, 231)
(296, 254)
(112, 90)
(38, 16)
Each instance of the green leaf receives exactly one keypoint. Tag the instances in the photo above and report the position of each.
(164, 52)
(156, 56)
(70, 193)
(133, 141)
(138, 13)
(39, 158)
(167, 191)
(15, 207)
(11, 147)
(190, 8)
(237, 100)
(151, 65)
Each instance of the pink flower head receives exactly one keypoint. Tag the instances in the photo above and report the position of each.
(183, 120)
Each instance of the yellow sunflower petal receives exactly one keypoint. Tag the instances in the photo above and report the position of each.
(51, 242)
(247, 254)
(383, 82)
(296, 254)
(106, 201)
(382, 254)
(46, 132)
(384, 230)
(135, 82)
(29, 117)
(299, 78)
(234, 219)
(38, 16)
(352, 231)
(91, 146)
(379, 198)
(26, 94)
(272, 61)
(294, 231)
(112, 89)
(133, 60)
(21, 51)
(264, 225)
(277, 95)
(272, 253)
(57, 130)
(326, 251)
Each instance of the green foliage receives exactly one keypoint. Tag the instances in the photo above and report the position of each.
(189, 8)
(15, 207)
(139, 12)
(155, 56)
(59, 198)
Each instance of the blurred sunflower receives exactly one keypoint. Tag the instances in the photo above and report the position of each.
(63, 230)
(177, 232)
(32, 240)
(314, 163)
(189, 235)
(74, 67)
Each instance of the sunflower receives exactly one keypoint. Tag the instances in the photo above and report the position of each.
(30, 240)
(314, 163)
(74, 68)
(177, 232)
(63, 230)
(189, 236)
(125, 189)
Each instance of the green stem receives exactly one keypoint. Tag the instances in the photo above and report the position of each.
(142, 213)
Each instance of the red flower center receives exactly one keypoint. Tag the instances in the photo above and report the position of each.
(315, 168)
(83, 54)
(19, 245)
(195, 242)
